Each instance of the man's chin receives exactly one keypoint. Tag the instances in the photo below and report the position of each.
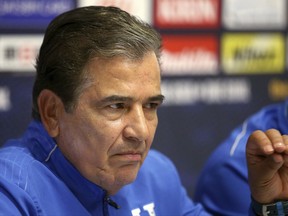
(127, 175)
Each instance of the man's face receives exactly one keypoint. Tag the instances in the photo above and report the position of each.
(108, 135)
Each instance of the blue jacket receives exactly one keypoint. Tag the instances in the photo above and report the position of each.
(223, 184)
(36, 179)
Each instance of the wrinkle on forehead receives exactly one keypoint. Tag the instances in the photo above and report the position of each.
(123, 73)
(132, 65)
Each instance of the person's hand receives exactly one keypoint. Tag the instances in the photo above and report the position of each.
(267, 161)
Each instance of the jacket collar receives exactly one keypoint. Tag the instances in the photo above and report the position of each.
(45, 150)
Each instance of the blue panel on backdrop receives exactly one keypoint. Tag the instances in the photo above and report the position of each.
(31, 14)
(15, 104)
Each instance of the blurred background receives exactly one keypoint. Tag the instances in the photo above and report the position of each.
(222, 61)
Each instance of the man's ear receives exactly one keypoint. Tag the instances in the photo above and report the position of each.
(50, 108)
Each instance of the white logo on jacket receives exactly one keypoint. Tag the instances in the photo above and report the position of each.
(148, 208)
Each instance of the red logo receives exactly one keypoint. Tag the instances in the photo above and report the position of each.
(187, 13)
(190, 54)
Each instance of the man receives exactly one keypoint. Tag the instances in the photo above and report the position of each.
(95, 101)
(225, 172)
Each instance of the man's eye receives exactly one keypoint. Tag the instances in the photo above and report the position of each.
(117, 106)
(152, 105)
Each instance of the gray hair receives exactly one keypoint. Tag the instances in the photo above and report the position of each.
(75, 37)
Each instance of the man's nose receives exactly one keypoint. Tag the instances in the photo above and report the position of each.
(136, 125)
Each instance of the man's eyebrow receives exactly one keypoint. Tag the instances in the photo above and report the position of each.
(157, 98)
(119, 98)
(114, 98)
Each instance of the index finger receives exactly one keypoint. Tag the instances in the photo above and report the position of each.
(259, 144)
(277, 140)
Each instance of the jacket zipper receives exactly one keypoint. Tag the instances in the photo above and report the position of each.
(108, 201)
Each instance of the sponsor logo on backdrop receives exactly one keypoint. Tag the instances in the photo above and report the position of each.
(206, 91)
(5, 102)
(253, 53)
(139, 8)
(256, 14)
(189, 55)
(187, 13)
(286, 52)
(278, 89)
(31, 14)
(18, 52)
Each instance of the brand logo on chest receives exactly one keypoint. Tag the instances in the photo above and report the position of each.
(149, 208)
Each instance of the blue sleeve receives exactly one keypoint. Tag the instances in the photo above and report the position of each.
(8, 203)
(7, 206)
(223, 187)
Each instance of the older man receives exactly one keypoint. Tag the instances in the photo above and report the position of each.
(87, 150)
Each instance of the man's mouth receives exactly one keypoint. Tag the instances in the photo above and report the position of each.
(131, 156)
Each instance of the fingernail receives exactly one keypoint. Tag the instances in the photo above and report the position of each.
(268, 148)
(279, 144)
